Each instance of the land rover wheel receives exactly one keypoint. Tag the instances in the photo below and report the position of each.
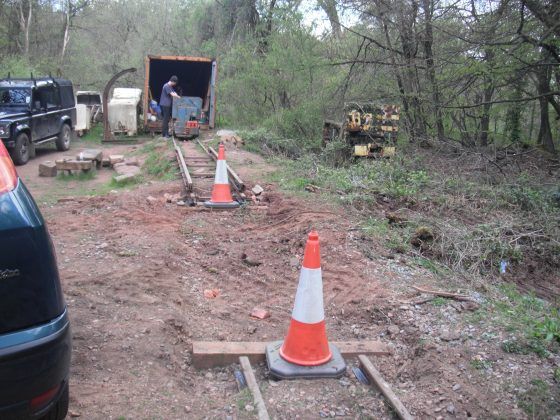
(63, 140)
(20, 152)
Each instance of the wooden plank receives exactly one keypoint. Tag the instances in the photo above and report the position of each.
(374, 375)
(146, 98)
(184, 169)
(207, 354)
(179, 58)
(254, 388)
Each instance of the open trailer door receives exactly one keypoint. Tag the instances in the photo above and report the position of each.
(212, 116)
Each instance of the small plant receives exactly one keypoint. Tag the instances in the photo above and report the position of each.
(244, 397)
(514, 347)
(548, 329)
(539, 401)
(439, 301)
(480, 363)
(336, 154)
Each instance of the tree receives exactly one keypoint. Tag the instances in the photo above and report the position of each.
(25, 9)
(329, 7)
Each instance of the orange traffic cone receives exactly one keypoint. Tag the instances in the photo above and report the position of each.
(221, 193)
(306, 353)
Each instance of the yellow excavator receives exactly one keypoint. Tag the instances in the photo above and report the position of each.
(370, 129)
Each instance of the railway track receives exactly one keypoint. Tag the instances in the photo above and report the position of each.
(197, 163)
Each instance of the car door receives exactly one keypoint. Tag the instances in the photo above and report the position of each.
(53, 109)
(39, 119)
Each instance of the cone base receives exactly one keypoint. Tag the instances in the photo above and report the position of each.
(217, 205)
(281, 369)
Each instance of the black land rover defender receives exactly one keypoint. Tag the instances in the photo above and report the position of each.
(33, 112)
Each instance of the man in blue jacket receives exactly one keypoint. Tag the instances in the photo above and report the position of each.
(165, 102)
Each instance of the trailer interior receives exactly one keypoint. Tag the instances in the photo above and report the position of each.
(195, 77)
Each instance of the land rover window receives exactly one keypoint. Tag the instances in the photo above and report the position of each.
(48, 97)
(15, 96)
(67, 96)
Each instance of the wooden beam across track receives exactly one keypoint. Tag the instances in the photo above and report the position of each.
(209, 354)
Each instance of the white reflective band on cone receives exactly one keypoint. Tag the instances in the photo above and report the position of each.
(221, 173)
(308, 307)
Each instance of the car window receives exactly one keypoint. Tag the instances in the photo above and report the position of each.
(14, 96)
(47, 97)
(67, 96)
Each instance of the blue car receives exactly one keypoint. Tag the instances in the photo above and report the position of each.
(35, 339)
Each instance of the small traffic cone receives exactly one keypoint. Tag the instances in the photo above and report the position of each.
(306, 352)
(221, 192)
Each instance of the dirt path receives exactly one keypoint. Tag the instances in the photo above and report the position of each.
(134, 272)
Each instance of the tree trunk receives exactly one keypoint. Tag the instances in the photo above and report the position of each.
(430, 69)
(329, 7)
(265, 33)
(488, 94)
(398, 76)
(25, 24)
(545, 134)
(485, 120)
(544, 74)
(66, 31)
(406, 26)
(532, 122)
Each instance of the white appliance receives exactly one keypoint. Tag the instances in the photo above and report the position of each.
(123, 110)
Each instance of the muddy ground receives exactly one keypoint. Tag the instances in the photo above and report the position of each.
(134, 271)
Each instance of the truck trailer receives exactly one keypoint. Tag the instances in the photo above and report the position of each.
(197, 78)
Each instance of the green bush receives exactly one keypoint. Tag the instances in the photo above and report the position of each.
(265, 142)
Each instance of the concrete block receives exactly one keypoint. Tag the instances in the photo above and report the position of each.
(123, 169)
(91, 154)
(124, 178)
(47, 169)
(132, 161)
(74, 165)
(116, 159)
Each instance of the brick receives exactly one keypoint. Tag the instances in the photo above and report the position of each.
(47, 169)
(74, 165)
(257, 189)
(116, 159)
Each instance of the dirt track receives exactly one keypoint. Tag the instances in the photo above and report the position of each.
(134, 272)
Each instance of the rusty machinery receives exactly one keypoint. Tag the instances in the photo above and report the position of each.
(370, 129)
(107, 133)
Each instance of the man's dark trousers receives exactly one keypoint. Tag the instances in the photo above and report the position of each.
(166, 111)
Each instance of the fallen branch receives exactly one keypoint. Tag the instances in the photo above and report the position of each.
(449, 295)
(417, 302)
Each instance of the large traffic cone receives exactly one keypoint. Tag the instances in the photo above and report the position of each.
(221, 193)
(306, 352)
